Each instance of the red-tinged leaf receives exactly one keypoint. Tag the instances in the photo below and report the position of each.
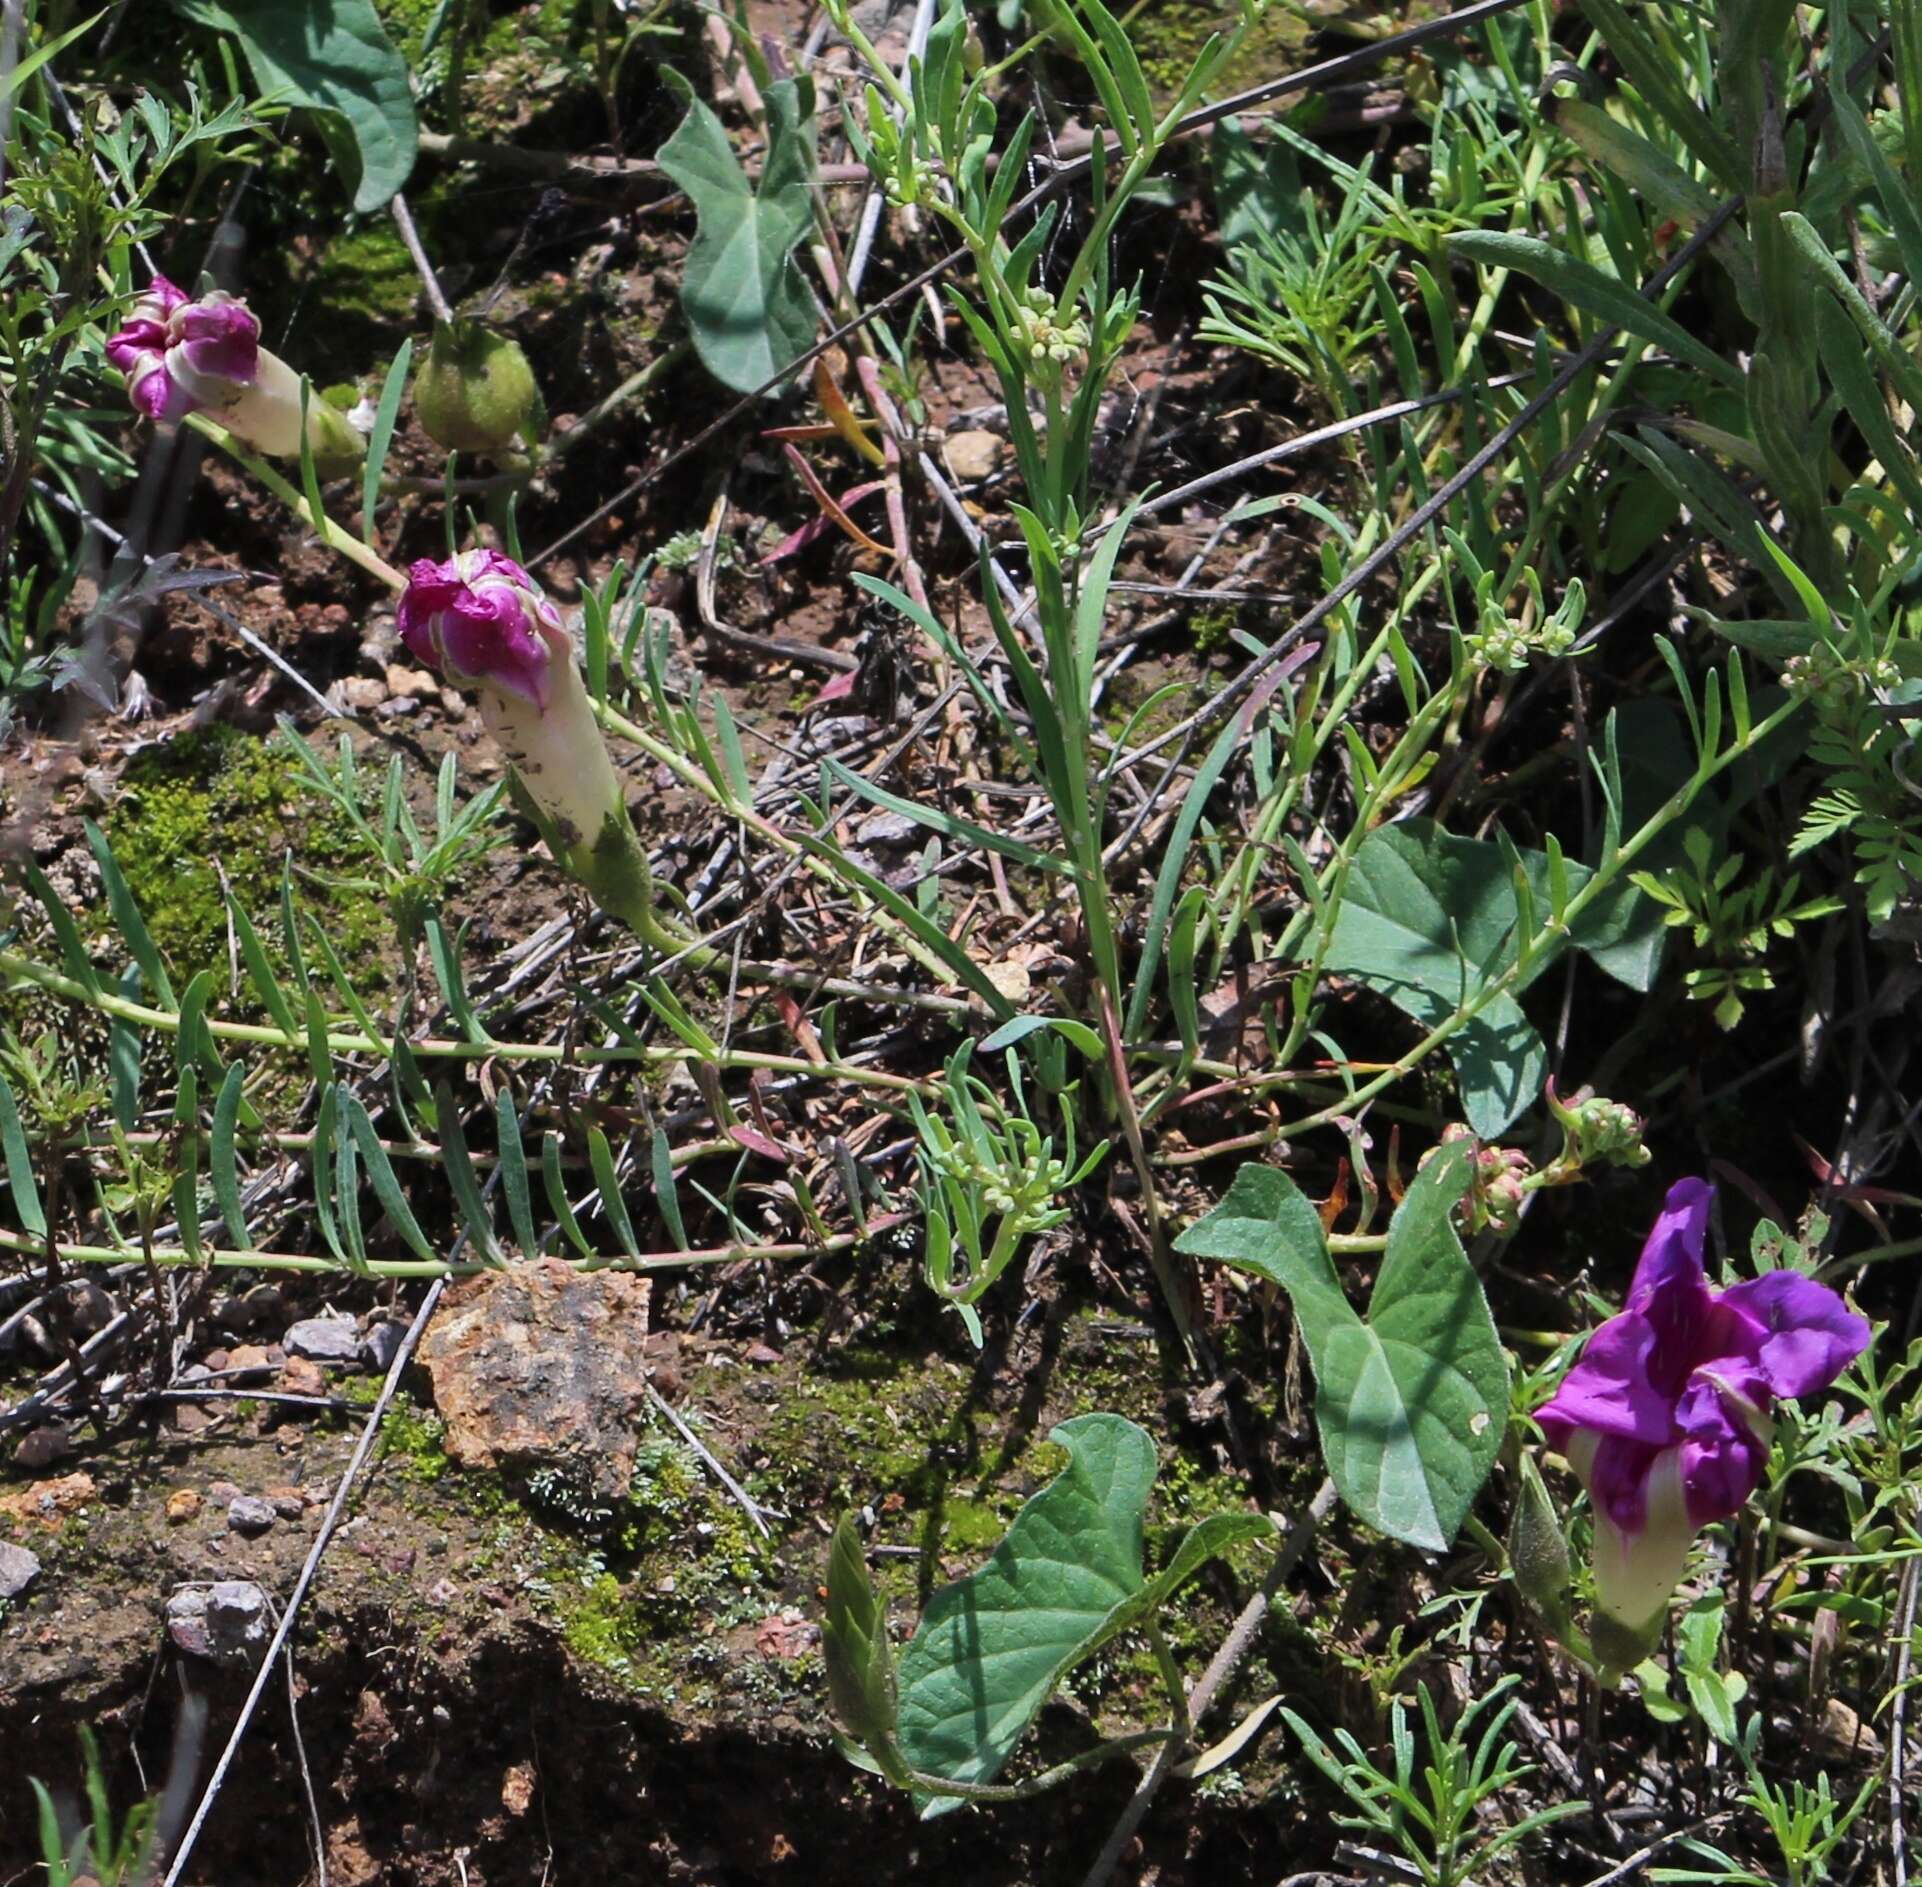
(798, 541)
(799, 1026)
(839, 689)
(832, 506)
(757, 1142)
(841, 415)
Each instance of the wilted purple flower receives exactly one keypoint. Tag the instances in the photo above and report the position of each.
(184, 354)
(482, 618)
(1667, 1416)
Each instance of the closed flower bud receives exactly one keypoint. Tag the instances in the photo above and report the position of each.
(483, 621)
(1538, 1549)
(202, 354)
(475, 391)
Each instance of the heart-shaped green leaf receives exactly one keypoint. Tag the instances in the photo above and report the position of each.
(1428, 918)
(747, 307)
(1410, 1401)
(331, 56)
(1066, 1579)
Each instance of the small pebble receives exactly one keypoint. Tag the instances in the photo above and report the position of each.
(381, 1345)
(183, 1504)
(41, 1447)
(18, 1569)
(288, 1502)
(249, 1514)
(298, 1377)
(227, 1623)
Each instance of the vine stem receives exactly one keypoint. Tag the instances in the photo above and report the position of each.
(334, 536)
(1234, 1648)
(421, 1267)
(344, 1043)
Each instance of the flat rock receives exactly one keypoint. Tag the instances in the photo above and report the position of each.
(18, 1569)
(538, 1365)
(228, 1622)
(323, 1340)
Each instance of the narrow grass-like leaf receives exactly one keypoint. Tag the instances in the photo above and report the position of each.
(221, 1163)
(353, 1227)
(731, 751)
(960, 831)
(290, 928)
(123, 1056)
(193, 1040)
(469, 1200)
(126, 916)
(667, 1195)
(322, 1156)
(923, 930)
(446, 960)
(1653, 73)
(337, 974)
(556, 1183)
(513, 1159)
(261, 972)
(1181, 968)
(607, 1177)
(19, 1161)
(385, 414)
(1600, 295)
(66, 933)
(1174, 860)
(380, 1169)
(320, 1061)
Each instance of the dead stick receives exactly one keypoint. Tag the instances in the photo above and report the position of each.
(1234, 1648)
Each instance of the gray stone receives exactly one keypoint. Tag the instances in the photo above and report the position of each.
(249, 1514)
(324, 1340)
(887, 828)
(381, 1345)
(18, 1569)
(226, 1623)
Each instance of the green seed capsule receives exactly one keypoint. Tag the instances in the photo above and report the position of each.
(475, 391)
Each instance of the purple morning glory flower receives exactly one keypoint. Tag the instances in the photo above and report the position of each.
(484, 623)
(184, 354)
(1667, 1417)
(482, 619)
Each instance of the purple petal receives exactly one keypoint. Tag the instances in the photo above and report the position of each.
(155, 394)
(1809, 1335)
(478, 631)
(164, 295)
(138, 340)
(1670, 1289)
(1609, 1390)
(219, 337)
(1723, 1454)
(1618, 1481)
